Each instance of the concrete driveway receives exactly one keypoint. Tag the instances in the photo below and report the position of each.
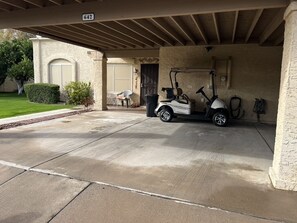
(125, 167)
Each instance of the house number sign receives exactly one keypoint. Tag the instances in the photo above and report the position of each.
(88, 16)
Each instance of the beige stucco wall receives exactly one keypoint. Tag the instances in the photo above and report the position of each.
(47, 50)
(255, 73)
(8, 86)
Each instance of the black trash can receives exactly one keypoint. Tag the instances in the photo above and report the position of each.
(151, 104)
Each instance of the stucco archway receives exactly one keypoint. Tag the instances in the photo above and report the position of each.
(56, 57)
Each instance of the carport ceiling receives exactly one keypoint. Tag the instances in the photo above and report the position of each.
(131, 24)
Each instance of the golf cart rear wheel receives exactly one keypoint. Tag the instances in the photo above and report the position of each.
(166, 115)
(220, 119)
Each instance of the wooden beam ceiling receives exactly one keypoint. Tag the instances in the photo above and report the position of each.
(138, 30)
(254, 23)
(38, 3)
(196, 20)
(149, 24)
(15, 3)
(114, 34)
(234, 26)
(5, 7)
(115, 26)
(273, 25)
(69, 12)
(165, 27)
(184, 28)
(215, 21)
(57, 2)
(63, 39)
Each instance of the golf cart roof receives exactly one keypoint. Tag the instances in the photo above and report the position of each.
(190, 70)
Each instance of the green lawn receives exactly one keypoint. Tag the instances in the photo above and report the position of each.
(13, 105)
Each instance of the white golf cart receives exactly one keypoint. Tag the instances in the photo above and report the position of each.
(180, 105)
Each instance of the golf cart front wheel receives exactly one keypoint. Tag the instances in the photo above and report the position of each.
(166, 115)
(220, 119)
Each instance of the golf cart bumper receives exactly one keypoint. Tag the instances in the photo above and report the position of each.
(157, 110)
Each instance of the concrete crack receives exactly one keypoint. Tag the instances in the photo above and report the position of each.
(137, 191)
(69, 202)
(98, 139)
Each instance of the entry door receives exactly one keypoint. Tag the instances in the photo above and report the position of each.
(149, 80)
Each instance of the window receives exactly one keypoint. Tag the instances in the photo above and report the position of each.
(119, 77)
(60, 72)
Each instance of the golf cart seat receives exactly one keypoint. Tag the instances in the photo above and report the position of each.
(180, 97)
(169, 94)
(179, 92)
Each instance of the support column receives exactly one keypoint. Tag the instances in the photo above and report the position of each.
(283, 172)
(99, 82)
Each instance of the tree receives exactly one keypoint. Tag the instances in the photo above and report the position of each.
(16, 56)
(7, 59)
(14, 46)
(3, 69)
(11, 34)
(21, 73)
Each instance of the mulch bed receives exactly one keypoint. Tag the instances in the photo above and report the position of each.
(42, 119)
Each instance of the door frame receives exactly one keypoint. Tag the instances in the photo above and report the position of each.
(142, 100)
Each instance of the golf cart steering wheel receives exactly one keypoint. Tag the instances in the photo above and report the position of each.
(186, 97)
(200, 90)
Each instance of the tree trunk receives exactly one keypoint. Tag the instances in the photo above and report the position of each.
(20, 85)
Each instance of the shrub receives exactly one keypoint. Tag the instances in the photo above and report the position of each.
(43, 93)
(79, 93)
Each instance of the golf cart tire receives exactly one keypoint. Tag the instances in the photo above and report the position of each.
(220, 119)
(166, 114)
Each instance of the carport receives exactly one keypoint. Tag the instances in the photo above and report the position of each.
(143, 28)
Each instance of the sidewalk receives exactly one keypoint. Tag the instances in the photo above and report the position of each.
(5, 121)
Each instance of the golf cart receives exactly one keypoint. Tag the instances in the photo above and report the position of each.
(180, 105)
